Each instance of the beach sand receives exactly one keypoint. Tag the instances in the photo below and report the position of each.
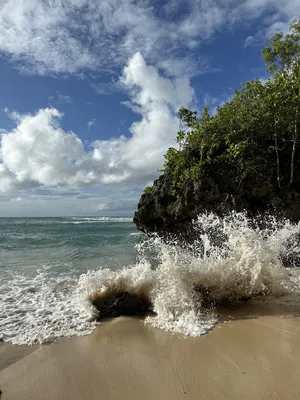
(10, 354)
(252, 357)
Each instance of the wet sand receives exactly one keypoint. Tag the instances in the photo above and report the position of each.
(10, 354)
(253, 358)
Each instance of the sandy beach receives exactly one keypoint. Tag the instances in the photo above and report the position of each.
(10, 354)
(247, 358)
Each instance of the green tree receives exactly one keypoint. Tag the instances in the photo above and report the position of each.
(253, 135)
(282, 58)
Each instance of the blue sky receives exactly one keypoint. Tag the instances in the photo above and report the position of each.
(90, 90)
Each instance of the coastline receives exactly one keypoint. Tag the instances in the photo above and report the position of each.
(254, 357)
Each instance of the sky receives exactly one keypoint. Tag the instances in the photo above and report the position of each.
(90, 90)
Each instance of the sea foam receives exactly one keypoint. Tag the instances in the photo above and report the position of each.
(234, 258)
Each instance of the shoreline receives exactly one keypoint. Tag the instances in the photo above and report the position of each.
(249, 357)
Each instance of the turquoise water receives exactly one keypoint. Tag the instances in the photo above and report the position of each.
(41, 260)
(74, 244)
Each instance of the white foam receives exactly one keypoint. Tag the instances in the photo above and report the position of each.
(43, 308)
(247, 264)
(100, 219)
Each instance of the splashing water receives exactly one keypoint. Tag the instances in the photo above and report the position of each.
(245, 263)
(234, 258)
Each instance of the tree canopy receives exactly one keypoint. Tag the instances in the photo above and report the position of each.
(255, 134)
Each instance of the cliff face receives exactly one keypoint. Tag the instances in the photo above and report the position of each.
(159, 211)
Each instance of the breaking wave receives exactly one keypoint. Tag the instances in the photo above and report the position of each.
(102, 219)
(234, 259)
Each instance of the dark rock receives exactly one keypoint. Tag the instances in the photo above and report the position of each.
(160, 211)
(290, 257)
(120, 304)
(211, 297)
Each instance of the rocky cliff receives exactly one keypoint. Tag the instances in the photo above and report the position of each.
(159, 211)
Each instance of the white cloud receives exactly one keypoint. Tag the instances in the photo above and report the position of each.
(75, 36)
(39, 153)
(264, 34)
(38, 148)
(119, 205)
(104, 88)
(60, 98)
(63, 99)
(91, 123)
(55, 38)
(35, 33)
(101, 207)
(281, 14)
(16, 199)
(58, 205)
(251, 40)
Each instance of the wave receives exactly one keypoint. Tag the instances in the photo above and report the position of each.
(42, 308)
(234, 259)
(101, 219)
(247, 264)
(97, 220)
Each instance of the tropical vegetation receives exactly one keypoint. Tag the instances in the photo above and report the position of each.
(255, 134)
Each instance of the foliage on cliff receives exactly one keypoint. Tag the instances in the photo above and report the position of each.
(255, 135)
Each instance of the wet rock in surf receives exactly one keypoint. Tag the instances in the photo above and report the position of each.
(212, 298)
(120, 304)
(290, 257)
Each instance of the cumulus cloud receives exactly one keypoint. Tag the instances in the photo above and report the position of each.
(38, 148)
(39, 153)
(75, 36)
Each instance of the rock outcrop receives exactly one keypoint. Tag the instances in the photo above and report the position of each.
(120, 304)
(160, 211)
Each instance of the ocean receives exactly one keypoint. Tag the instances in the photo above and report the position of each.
(49, 267)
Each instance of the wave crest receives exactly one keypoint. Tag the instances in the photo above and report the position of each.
(234, 259)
